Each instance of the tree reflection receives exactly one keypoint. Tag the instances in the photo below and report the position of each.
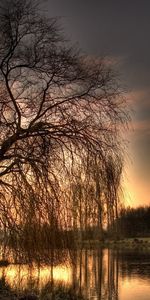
(93, 273)
(96, 274)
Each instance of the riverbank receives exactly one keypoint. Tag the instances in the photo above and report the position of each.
(142, 243)
(127, 243)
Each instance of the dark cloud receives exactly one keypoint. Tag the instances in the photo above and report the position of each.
(116, 28)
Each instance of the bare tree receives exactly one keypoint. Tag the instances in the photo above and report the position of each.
(55, 106)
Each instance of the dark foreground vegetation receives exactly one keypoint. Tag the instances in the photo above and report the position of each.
(48, 292)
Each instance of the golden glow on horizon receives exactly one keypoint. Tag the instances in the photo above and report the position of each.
(136, 191)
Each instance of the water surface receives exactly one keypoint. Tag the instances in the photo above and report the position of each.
(98, 274)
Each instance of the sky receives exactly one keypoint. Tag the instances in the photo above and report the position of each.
(119, 29)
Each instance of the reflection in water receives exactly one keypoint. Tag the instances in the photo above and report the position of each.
(98, 274)
(21, 276)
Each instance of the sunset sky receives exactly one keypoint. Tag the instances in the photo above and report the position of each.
(120, 30)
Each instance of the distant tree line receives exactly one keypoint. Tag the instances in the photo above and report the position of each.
(134, 222)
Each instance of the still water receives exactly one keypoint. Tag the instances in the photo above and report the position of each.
(98, 274)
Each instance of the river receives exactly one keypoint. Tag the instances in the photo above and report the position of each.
(102, 274)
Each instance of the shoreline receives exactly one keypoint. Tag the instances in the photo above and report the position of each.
(126, 243)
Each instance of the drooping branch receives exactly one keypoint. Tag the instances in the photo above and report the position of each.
(60, 113)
